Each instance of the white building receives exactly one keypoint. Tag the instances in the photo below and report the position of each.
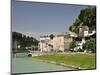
(58, 43)
(83, 35)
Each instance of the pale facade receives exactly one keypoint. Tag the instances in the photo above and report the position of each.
(58, 43)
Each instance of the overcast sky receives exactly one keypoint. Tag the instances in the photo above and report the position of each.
(37, 19)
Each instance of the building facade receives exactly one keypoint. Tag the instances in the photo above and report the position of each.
(58, 43)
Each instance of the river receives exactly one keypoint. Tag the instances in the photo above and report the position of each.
(28, 64)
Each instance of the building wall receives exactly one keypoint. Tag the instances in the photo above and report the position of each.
(44, 41)
(59, 43)
(67, 42)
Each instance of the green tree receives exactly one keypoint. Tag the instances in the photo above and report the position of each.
(72, 44)
(90, 45)
(87, 16)
(51, 36)
(23, 40)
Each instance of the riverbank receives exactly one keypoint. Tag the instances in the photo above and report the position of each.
(78, 61)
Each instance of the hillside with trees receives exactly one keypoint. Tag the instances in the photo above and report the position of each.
(87, 17)
(23, 40)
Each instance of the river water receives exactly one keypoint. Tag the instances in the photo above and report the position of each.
(28, 64)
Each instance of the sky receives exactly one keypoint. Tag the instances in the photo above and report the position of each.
(36, 19)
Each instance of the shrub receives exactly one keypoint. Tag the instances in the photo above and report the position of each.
(73, 44)
(90, 45)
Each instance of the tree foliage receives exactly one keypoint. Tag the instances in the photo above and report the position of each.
(72, 44)
(87, 16)
(90, 45)
(51, 36)
(23, 40)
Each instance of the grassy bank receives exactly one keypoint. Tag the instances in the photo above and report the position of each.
(86, 61)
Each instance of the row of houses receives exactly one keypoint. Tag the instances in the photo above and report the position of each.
(58, 43)
(61, 42)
